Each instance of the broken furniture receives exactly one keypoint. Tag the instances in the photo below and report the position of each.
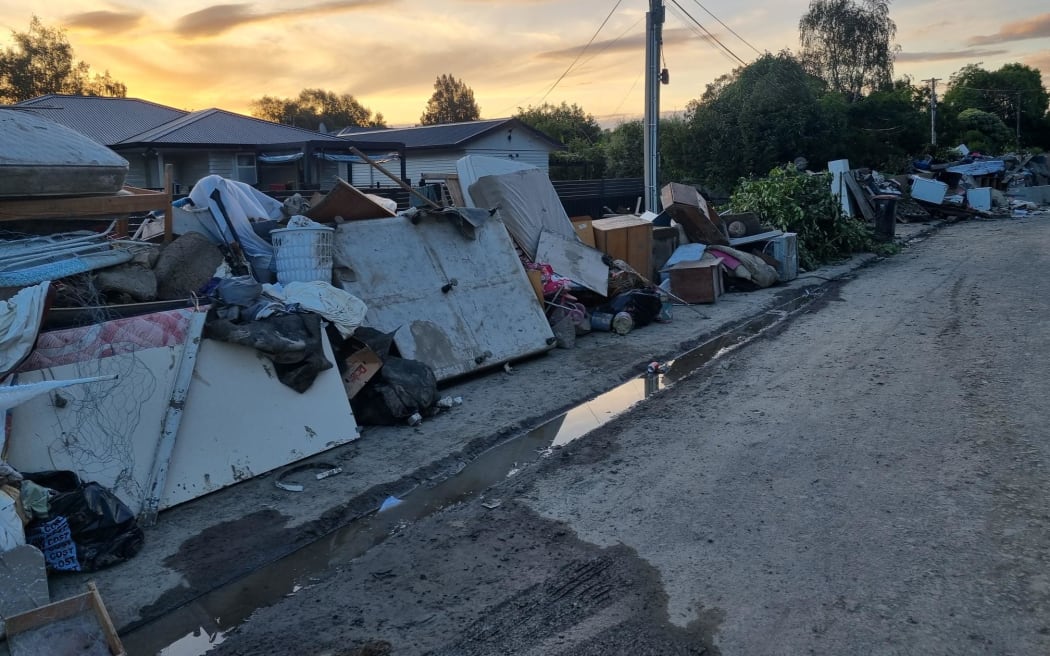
(688, 207)
(628, 238)
(77, 625)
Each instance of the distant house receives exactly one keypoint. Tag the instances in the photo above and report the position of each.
(206, 142)
(434, 149)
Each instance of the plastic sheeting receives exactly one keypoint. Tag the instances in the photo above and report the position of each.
(243, 203)
(528, 205)
(20, 318)
(982, 167)
(474, 167)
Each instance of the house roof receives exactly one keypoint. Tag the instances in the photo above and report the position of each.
(117, 122)
(106, 120)
(449, 135)
(217, 127)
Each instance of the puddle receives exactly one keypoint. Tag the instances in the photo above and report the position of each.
(197, 627)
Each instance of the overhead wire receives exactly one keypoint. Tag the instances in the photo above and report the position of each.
(581, 53)
(710, 36)
(731, 30)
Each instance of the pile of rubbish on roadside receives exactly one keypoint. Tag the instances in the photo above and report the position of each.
(973, 185)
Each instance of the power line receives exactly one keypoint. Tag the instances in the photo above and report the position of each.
(710, 36)
(733, 32)
(593, 37)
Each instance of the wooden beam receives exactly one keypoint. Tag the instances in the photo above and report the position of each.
(139, 200)
(169, 209)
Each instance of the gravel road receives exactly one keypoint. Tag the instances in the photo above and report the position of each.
(869, 478)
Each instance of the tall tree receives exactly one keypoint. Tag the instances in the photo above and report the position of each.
(849, 44)
(313, 107)
(578, 130)
(42, 61)
(451, 102)
(1001, 92)
(760, 116)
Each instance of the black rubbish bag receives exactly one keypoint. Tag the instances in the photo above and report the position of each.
(103, 529)
(643, 306)
(399, 390)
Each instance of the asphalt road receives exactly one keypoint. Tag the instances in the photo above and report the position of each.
(869, 479)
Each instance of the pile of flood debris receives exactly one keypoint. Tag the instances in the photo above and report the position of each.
(969, 185)
(156, 350)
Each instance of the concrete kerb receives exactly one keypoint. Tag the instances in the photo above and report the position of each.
(394, 461)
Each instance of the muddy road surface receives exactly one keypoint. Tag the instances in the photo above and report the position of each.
(870, 478)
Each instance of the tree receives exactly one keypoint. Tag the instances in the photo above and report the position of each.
(983, 131)
(578, 130)
(884, 128)
(624, 146)
(1002, 93)
(42, 62)
(847, 43)
(451, 102)
(313, 107)
(760, 116)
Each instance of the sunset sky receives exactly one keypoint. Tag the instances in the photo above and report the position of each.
(193, 54)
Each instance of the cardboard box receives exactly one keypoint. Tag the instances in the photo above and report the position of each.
(697, 282)
(361, 366)
(536, 279)
(628, 238)
(584, 230)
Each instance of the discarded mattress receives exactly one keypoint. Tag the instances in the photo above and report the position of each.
(238, 420)
(39, 157)
(528, 205)
(474, 167)
(455, 303)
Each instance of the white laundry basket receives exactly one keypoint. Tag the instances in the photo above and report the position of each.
(303, 254)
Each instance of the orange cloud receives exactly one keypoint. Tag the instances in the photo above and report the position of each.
(218, 19)
(108, 21)
(1035, 27)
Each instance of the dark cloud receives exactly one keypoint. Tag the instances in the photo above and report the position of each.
(944, 55)
(105, 21)
(633, 43)
(217, 19)
(1035, 27)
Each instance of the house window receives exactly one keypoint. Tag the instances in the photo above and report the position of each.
(244, 168)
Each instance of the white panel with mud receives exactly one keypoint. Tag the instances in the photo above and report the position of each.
(458, 304)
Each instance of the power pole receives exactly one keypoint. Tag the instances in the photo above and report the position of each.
(933, 109)
(1018, 119)
(654, 21)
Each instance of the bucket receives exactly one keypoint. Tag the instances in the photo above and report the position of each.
(622, 323)
(303, 254)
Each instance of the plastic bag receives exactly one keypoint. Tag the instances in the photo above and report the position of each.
(101, 526)
(401, 389)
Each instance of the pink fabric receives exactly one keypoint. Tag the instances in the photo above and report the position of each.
(108, 339)
(726, 258)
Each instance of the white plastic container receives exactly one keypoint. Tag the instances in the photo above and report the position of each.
(303, 254)
(931, 191)
(784, 249)
(980, 198)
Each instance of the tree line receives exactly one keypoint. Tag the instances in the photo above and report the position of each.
(835, 98)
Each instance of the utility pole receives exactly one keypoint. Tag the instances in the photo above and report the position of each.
(1018, 119)
(654, 21)
(933, 109)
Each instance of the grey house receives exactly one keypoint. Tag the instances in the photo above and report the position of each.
(434, 149)
(206, 142)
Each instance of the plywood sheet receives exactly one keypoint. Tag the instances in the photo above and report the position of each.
(457, 304)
